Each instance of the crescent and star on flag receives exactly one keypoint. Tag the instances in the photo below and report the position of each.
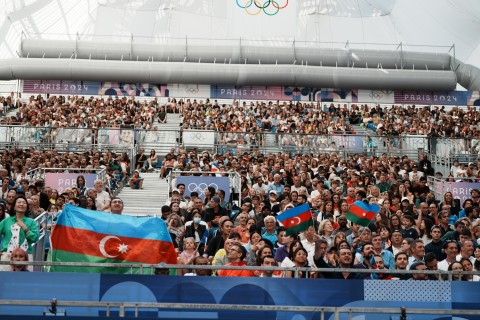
(122, 247)
(295, 221)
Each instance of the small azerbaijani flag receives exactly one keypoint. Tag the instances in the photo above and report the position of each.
(362, 213)
(297, 219)
(82, 235)
(215, 169)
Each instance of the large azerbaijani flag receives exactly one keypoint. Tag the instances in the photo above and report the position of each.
(297, 219)
(82, 235)
(362, 213)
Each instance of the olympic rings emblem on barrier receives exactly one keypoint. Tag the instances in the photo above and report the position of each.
(197, 136)
(269, 7)
(191, 90)
(193, 187)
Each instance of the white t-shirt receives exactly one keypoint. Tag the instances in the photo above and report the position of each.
(100, 200)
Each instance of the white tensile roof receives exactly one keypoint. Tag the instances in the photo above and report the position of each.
(431, 25)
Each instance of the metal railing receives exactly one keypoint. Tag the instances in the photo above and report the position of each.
(125, 139)
(141, 268)
(137, 306)
(44, 222)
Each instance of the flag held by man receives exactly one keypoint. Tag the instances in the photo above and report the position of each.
(82, 235)
(362, 213)
(297, 219)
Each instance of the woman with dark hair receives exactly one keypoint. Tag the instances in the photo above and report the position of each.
(3, 214)
(294, 245)
(456, 266)
(18, 231)
(218, 242)
(300, 260)
(209, 193)
(82, 188)
(197, 229)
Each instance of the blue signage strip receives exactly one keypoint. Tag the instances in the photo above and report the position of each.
(217, 290)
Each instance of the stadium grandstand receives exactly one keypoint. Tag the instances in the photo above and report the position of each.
(160, 159)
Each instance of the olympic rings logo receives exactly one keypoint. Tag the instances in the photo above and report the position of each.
(193, 187)
(197, 136)
(255, 7)
(191, 90)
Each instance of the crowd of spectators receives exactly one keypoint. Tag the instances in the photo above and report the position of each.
(282, 117)
(402, 236)
(18, 175)
(322, 118)
(207, 228)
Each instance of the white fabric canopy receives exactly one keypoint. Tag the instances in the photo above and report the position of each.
(421, 25)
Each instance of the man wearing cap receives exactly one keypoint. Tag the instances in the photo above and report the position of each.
(272, 198)
(415, 175)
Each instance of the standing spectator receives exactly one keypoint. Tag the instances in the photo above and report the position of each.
(18, 231)
(102, 200)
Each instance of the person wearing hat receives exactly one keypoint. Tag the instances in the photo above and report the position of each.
(415, 175)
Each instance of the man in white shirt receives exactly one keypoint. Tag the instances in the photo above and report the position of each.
(102, 201)
(466, 251)
(260, 187)
(451, 250)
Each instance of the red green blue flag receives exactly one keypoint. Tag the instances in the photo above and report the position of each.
(362, 213)
(297, 219)
(82, 235)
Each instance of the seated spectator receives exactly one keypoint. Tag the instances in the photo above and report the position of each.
(19, 254)
(236, 255)
(136, 182)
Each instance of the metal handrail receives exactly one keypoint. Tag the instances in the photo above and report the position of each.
(122, 306)
(162, 265)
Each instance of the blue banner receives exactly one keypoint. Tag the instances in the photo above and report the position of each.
(200, 183)
(250, 291)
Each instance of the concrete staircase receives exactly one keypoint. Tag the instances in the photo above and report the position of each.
(164, 136)
(146, 201)
(150, 199)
